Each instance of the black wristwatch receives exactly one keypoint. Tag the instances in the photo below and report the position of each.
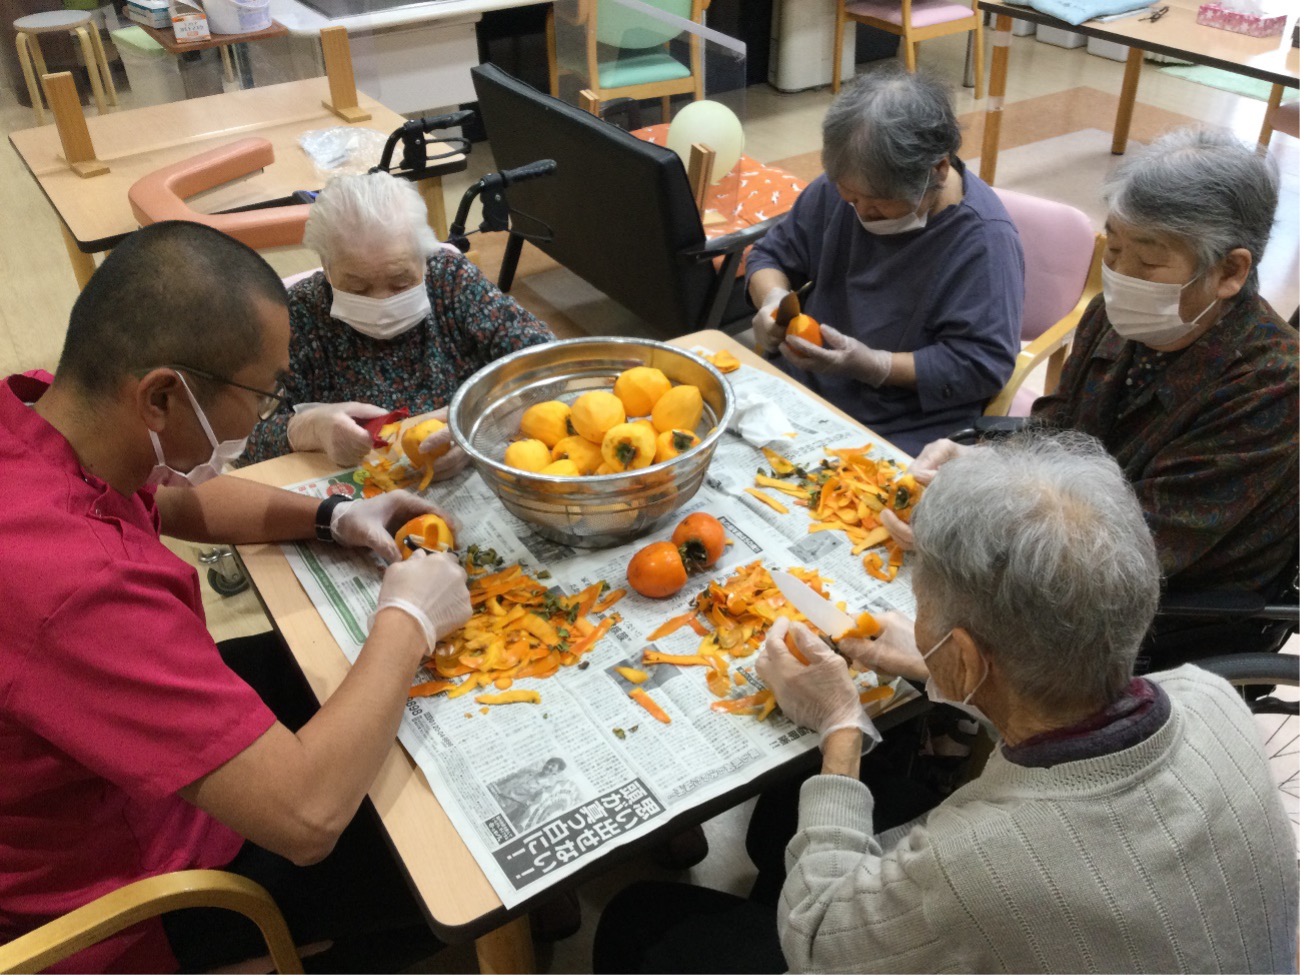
(321, 522)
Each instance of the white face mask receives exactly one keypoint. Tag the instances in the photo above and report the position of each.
(935, 695)
(1147, 312)
(223, 454)
(382, 318)
(912, 221)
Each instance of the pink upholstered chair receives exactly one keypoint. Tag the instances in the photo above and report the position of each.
(913, 21)
(1061, 256)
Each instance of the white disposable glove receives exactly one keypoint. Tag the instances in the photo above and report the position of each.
(431, 589)
(819, 696)
(769, 334)
(892, 652)
(924, 468)
(451, 462)
(840, 355)
(334, 429)
(372, 522)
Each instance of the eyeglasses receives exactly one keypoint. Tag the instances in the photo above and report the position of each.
(1156, 15)
(269, 402)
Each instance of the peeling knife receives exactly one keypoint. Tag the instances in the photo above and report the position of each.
(822, 613)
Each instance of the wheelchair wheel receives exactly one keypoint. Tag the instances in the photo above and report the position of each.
(1254, 675)
(1269, 683)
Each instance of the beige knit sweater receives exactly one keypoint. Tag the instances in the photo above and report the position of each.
(1172, 856)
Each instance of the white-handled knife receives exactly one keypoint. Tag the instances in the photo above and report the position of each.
(822, 613)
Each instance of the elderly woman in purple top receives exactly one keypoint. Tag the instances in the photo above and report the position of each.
(915, 268)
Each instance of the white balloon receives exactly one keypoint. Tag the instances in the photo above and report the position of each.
(710, 124)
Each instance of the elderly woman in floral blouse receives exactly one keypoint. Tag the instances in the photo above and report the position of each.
(392, 320)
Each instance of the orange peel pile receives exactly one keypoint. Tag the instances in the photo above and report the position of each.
(388, 468)
(518, 629)
(731, 617)
(847, 496)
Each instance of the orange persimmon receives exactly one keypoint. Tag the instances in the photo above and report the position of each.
(805, 327)
(657, 570)
(701, 541)
(430, 529)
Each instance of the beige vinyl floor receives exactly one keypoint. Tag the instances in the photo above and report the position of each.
(1046, 156)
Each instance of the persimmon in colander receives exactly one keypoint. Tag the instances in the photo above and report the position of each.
(628, 446)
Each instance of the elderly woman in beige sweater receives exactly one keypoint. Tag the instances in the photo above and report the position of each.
(1122, 825)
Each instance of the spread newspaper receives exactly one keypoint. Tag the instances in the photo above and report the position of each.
(537, 791)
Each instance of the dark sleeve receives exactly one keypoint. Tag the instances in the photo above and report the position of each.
(308, 314)
(974, 331)
(793, 245)
(483, 322)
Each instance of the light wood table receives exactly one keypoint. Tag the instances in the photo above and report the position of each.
(95, 214)
(1176, 34)
(458, 899)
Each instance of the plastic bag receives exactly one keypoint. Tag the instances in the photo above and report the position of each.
(343, 149)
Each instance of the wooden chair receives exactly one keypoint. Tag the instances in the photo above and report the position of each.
(625, 52)
(81, 25)
(913, 21)
(111, 913)
(1062, 256)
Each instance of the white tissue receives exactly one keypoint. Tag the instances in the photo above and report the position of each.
(756, 420)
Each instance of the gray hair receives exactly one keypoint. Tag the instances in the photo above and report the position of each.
(1038, 548)
(1203, 187)
(888, 129)
(355, 211)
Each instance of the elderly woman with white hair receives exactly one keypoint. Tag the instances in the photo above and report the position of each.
(392, 320)
(914, 268)
(1123, 825)
(1187, 375)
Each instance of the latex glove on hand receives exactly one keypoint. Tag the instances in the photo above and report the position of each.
(892, 652)
(769, 334)
(454, 459)
(840, 355)
(924, 468)
(372, 522)
(819, 696)
(334, 429)
(431, 589)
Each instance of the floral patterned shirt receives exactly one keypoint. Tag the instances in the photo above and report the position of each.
(471, 324)
(1210, 442)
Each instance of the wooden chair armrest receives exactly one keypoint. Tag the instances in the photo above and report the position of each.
(139, 901)
(1052, 341)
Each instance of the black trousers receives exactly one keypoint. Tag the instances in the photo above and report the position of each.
(357, 896)
(676, 928)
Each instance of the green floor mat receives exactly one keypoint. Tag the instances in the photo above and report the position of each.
(1218, 78)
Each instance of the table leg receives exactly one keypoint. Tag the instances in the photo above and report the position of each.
(83, 264)
(1127, 99)
(432, 190)
(1001, 38)
(507, 950)
(1274, 102)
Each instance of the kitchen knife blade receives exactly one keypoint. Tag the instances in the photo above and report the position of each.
(789, 308)
(824, 614)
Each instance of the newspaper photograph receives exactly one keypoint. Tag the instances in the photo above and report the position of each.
(538, 790)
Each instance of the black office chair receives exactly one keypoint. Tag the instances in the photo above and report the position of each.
(619, 212)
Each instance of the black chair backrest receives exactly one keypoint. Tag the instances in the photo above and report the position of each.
(620, 209)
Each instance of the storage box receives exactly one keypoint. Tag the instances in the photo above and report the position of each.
(188, 22)
(1238, 21)
(1059, 37)
(1107, 49)
(1022, 28)
(151, 13)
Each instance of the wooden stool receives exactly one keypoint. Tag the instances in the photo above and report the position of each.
(78, 23)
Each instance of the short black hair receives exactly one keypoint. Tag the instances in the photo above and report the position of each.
(172, 292)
